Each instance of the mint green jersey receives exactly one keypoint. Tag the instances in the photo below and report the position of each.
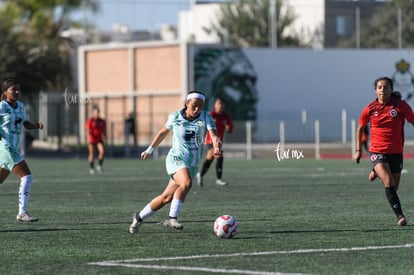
(11, 121)
(188, 137)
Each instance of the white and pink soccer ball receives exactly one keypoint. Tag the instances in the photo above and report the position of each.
(225, 227)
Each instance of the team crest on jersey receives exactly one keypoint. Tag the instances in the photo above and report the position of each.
(375, 113)
(200, 123)
(393, 113)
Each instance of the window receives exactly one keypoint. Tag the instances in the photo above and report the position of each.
(343, 25)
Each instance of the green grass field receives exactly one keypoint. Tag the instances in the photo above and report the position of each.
(295, 216)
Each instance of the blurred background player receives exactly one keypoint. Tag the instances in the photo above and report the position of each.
(95, 128)
(386, 115)
(223, 123)
(189, 126)
(12, 118)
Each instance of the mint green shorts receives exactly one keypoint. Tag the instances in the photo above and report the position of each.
(174, 163)
(9, 156)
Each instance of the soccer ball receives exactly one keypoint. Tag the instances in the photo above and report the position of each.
(225, 227)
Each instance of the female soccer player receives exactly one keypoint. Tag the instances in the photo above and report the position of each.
(12, 117)
(386, 115)
(95, 127)
(223, 122)
(189, 126)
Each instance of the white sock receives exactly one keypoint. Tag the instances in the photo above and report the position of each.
(146, 212)
(24, 190)
(175, 208)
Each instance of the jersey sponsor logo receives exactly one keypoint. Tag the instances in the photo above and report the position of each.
(393, 113)
(189, 135)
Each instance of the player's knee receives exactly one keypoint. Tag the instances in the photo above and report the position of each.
(186, 185)
(167, 199)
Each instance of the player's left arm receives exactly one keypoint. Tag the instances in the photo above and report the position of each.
(215, 141)
(31, 126)
(409, 114)
(229, 125)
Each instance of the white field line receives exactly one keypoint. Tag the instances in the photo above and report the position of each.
(191, 268)
(127, 263)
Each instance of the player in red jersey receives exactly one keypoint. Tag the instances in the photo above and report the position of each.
(386, 115)
(223, 123)
(96, 127)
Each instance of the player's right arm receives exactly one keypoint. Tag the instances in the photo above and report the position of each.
(358, 141)
(363, 122)
(159, 137)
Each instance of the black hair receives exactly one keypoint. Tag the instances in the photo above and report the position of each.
(5, 85)
(386, 78)
(221, 99)
(192, 92)
(396, 94)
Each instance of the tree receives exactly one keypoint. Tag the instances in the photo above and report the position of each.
(381, 31)
(32, 48)
(246, 24)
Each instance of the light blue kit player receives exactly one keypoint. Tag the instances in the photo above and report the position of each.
(12, 118)
(190, 126)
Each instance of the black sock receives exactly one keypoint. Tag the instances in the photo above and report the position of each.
(219, 167)
(205, 167)
(394, 201)
(91, 164)
(101, 162)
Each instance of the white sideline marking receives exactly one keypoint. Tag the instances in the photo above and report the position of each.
(127, 263)
(190, 268)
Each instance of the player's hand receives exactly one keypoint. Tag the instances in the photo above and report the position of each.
(144, 155)
(147, 152)
(218, 151)
(357, 156)
(39, 125)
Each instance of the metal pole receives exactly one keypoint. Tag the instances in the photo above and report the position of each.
(353, 147)
(399, 15)
(357, 28)
(343, 118)
(272, 24)
(249, 140)
(317, 140)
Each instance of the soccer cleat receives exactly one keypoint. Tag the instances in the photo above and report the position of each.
(99, 169)
(221, 182)
(402, 221)
(172, 223)
(26, 217)
(91, 171)
(372, 176)
(199, 180)
(134, 227)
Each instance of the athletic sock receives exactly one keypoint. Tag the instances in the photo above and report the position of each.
(175, 208)
(91, 164)
(145, 213)
(24, 190)
(101, 162)
(219, 167)
(394, 201)
(205, 167)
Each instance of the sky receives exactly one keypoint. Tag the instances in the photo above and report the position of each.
(135, 14)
